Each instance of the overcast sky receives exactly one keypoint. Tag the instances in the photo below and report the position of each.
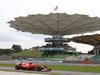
(10, 9)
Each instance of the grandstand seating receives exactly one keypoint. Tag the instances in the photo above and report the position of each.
(69, 57)
(96, 57)
(55, 57)
(79, 57)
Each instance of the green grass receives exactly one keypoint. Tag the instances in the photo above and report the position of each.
(76, 68)
(29, 53)
(67, 68)
(5, 56)
(8, 65)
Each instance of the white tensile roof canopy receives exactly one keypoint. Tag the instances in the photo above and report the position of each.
(56, 24)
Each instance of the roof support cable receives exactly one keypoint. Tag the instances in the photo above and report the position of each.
(19, 26)
(95, 39)
(58, 23)
(78, 28)
(43, 23)
(79, 19)
(32, 25)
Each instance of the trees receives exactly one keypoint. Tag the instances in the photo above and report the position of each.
(1, 51)
(16, 48)
(5, 51)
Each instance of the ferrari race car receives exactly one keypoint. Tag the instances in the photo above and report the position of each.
(30, 66)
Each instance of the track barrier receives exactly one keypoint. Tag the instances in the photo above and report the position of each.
(86, 62)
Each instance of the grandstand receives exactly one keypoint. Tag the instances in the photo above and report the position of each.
(81, 57)
(93, 40)
(57, 25)
(95, 58)
(56, 47)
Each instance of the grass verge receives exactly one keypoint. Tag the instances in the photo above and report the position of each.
(29, 53)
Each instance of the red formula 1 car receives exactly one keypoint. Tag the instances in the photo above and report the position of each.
(30, 66)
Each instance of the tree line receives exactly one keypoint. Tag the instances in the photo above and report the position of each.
(14, 49)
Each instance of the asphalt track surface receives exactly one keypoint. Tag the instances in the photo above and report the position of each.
(53, 71)
(13, 62)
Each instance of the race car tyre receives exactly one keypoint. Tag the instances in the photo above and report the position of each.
(50, 69)
(17, 67)
(38, 69)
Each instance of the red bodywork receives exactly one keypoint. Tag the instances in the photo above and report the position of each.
(29, 65)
